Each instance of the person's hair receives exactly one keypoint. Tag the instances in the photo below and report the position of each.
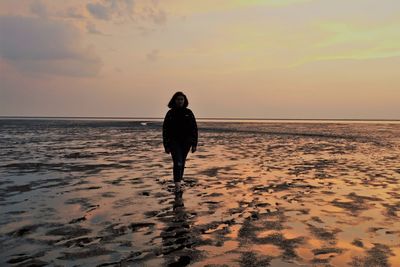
(172, 103)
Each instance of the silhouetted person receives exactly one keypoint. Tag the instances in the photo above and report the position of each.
(179, 134)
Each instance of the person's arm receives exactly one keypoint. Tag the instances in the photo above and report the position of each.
(194, 130)
(166, 130)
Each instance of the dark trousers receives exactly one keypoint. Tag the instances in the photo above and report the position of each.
(179, 152)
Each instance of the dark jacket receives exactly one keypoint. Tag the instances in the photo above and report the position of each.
(179, 124)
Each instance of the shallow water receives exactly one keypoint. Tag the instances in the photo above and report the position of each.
(256, 194)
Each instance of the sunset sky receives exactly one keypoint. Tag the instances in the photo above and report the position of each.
(233, 58)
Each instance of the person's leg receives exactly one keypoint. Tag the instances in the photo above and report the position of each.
(176, 152)
(184, 147)
(185, 151)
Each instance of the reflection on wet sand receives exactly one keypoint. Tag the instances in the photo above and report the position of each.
(177, 236)
(255, 194)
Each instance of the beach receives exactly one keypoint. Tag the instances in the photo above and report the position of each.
(100, 193)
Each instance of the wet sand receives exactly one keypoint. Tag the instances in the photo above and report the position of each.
(90, 193)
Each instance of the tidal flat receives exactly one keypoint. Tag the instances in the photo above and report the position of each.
(100, 193)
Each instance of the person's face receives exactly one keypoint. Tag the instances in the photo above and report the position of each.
(179, 101)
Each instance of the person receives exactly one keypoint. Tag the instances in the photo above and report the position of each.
(180, 133)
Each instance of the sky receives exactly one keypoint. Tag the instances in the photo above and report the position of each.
(283, 59)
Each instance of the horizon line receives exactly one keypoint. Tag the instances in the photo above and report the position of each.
(198, 118)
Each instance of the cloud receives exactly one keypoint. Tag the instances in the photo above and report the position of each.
(153, 55)
(107, 9)
(138, 11)
(72, 12)
(46, 46)
(92, 29)
(45, 10)
(158, 16)
(99, 11)
(38, 8)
